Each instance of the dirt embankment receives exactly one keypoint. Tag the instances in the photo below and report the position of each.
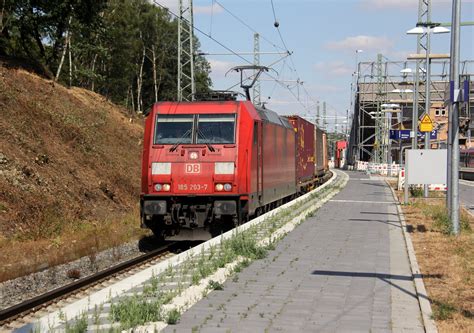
(69, 170)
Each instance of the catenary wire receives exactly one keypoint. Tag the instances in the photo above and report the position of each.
(233, 52)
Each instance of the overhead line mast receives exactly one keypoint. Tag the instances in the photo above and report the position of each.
(256, 61)
(186, 85)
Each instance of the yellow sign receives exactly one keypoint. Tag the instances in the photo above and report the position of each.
(426, 124)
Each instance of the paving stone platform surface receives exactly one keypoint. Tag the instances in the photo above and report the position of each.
(345, 269)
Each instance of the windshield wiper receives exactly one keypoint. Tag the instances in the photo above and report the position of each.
(209, 146)
(180, 140)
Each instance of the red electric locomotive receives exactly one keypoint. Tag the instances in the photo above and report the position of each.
(210, 165)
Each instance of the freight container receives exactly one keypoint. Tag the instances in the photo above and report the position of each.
(340, 154)
(321, 162)
(305, 143)
(325, 152)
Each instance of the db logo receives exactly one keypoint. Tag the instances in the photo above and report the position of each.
(193, 168)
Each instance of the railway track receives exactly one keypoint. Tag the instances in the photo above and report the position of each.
(26, 308)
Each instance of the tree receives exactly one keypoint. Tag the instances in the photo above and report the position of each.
(36, 29)
(123, 49)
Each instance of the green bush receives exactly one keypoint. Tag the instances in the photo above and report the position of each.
(416, 192)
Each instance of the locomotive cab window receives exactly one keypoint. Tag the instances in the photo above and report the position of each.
(172, 129)
(215, 128)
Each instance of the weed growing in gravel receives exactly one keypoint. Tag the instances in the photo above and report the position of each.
(152, 286)
(79, 325)
(135, 310)
(96, 315)
(215, 285)
(173, 317)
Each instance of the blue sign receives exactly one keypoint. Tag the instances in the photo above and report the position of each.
(463, 92)
(405, 134)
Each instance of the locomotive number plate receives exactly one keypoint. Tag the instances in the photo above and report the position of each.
(193, 168)
(192, 187)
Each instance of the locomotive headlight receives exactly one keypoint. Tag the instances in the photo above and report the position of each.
(224, 168)
(193, 155)
(166, 187)
(227, 187)
(160, 168)
(158, 187)
(219, 187)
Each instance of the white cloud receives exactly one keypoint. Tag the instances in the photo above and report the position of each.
(366, 43)
(211, 9)
(333, 68)
(173, 6)
(219, 67)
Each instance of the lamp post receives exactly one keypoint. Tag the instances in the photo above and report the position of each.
(453, 123)
(427, 28)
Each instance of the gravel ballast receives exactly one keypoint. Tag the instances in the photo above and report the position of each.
(23, 288)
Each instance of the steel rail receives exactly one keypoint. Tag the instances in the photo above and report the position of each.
(12, 313)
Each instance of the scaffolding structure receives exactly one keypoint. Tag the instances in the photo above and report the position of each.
(381, 82)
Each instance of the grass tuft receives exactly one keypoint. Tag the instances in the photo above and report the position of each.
(134, 311)
(215, 285)
(441, 220)
(443, 311)
(173, 317)
(78, 326)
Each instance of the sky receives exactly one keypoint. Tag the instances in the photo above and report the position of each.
(323, 36)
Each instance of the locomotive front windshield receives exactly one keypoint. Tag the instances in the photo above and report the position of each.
(172, 129)
(198, 129)
(215, 128)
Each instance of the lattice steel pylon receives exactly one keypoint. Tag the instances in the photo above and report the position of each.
(325, 123)
(318, 114)
(186, 84)
(424, 16)
(256, 61)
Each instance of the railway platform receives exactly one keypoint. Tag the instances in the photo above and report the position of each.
(346, 269)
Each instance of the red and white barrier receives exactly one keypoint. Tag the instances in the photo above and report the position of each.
(385, 169)
(401, 179)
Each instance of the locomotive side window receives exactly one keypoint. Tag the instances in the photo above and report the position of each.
(172, 129)
(216, 128)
